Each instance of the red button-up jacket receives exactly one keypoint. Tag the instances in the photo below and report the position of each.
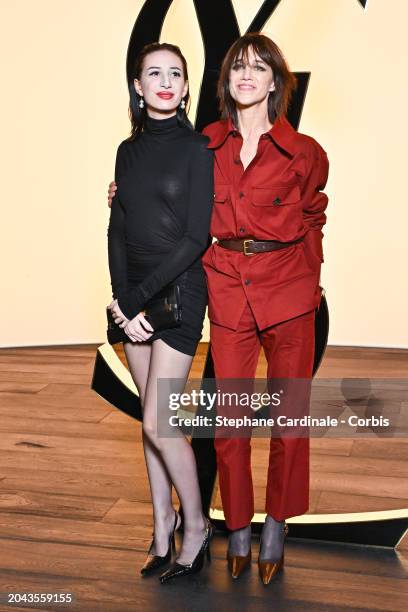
(277, 197)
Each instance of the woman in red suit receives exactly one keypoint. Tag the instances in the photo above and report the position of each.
(263, 276)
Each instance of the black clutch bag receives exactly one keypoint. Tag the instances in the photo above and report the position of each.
(162, 311)
(114, 332)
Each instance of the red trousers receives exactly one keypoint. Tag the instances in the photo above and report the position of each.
(289, 350)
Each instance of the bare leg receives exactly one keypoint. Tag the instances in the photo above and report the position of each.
(176, 451)
(138, 357)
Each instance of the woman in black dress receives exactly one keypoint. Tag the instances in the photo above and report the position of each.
(158, 231)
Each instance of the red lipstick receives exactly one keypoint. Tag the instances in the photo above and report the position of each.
(165, 95)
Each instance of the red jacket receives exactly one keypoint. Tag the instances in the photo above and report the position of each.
(278, 197)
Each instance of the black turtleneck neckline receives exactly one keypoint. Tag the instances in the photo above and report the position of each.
(161, 126)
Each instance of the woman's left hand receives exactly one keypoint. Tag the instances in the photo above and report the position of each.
(118, 315)
(138, 329)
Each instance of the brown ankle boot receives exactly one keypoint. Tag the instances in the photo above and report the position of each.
(237, 563)
(269, 569)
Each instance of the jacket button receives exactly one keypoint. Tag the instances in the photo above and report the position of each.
(241, 194)
(247, 281)
(242, 229)
(237, 160)
(277, 201)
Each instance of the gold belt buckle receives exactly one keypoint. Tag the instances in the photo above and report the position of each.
(245, 246)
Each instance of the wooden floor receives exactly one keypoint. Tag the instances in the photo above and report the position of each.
(75, 512)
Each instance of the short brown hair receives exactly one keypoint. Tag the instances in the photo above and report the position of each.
(269, 52)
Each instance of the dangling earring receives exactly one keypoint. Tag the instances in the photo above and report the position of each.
(182, 104)
(141, 103)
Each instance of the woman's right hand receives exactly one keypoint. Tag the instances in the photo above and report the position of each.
(136, 328)
(111, 192)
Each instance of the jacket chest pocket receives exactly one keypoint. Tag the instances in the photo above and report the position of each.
(221, 194)
(276, 195)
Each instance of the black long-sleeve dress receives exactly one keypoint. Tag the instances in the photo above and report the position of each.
(159, 224)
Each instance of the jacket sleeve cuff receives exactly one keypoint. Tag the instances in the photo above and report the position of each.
(126, 306)
(313, 243)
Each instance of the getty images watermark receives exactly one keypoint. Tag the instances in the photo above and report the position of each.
(283, 407)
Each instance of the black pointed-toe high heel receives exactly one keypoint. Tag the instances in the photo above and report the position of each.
(176, 570)
(153, 562)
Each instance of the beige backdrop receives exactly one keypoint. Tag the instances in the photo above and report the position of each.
(65, 111)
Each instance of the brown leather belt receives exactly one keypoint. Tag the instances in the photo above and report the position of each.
(250, 246)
